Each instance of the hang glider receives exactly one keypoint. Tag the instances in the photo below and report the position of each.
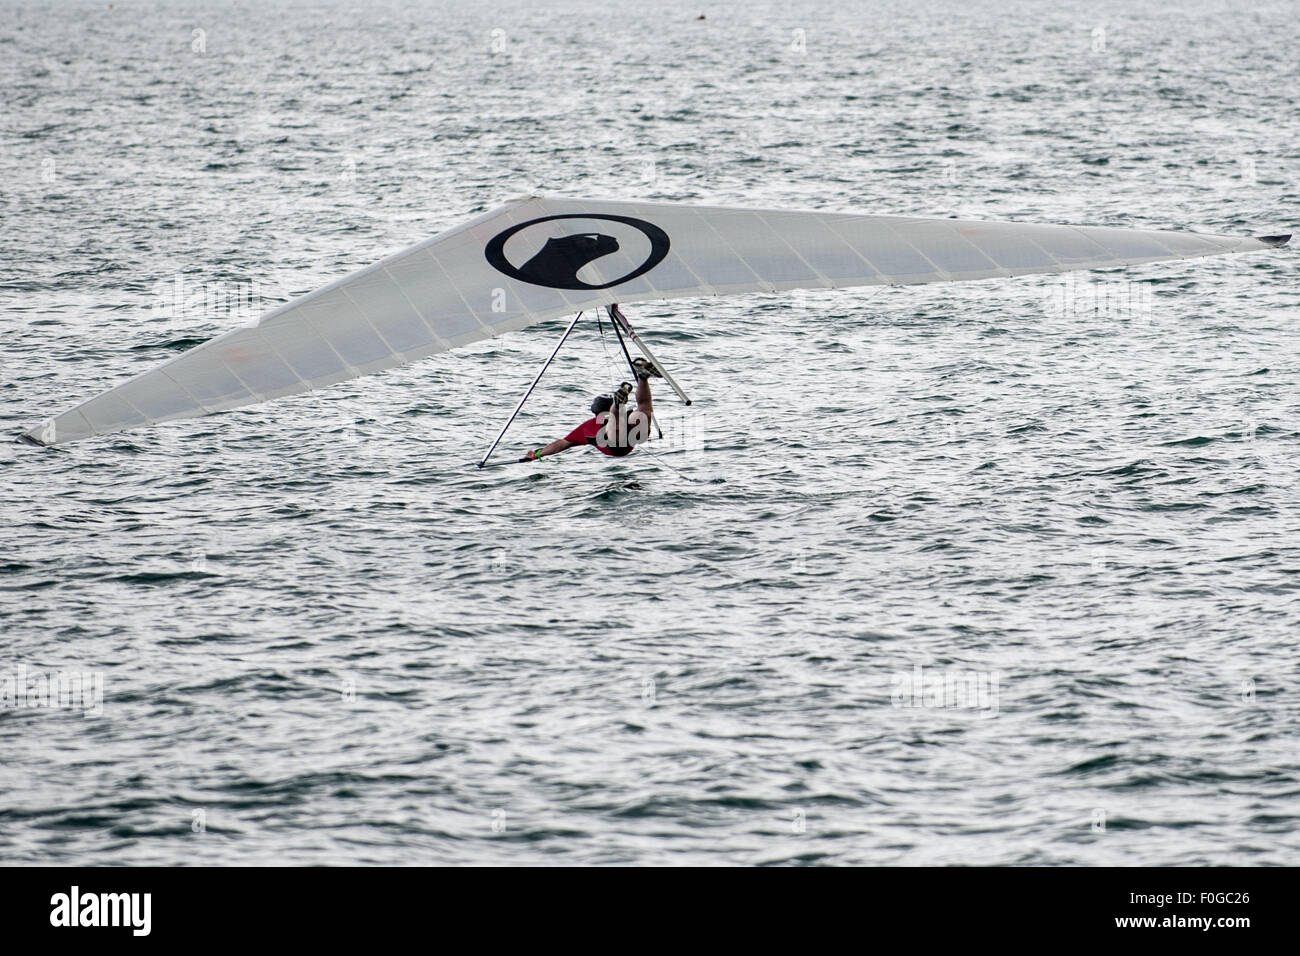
(540, 257)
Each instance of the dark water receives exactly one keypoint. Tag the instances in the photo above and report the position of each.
(324, 638)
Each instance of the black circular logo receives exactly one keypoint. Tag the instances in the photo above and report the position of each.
(556, 265)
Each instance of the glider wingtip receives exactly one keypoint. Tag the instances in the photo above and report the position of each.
(27, 438)
(1277, 242)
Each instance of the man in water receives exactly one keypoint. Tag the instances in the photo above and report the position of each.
(612, 428)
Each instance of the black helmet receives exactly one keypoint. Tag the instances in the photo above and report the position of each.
(603, 403)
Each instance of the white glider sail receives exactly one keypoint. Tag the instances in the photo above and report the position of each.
(538, 257)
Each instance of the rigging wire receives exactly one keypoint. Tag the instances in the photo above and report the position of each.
(604, 344)
(658, 460)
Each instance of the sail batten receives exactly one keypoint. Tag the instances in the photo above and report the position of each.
(537, 258)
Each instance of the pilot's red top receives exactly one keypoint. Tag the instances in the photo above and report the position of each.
(585, 434)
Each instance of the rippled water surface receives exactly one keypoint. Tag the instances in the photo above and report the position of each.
(324, 637)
